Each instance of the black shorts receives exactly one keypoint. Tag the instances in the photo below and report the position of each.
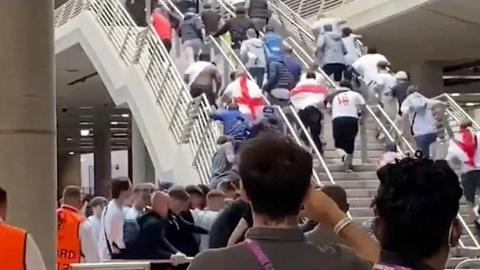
(470, 182)
(345, 131)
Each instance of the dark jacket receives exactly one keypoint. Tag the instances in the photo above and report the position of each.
(295, 68)
(190, 28)
(259, 9)
(180, 232)
(237, 27)
(278, 76)
(151, 242)
(184, 5)
(211, 20)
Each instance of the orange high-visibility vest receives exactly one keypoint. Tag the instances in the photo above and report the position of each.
(13, 242)
(68, 245)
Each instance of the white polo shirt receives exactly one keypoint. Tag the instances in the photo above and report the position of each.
(346, 104)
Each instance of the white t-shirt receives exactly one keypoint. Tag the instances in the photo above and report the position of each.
(385, 82)
(112, 222)
(131, 213)
(204, 219)
(367, 66)
(346, 104)
(352, 53)
(96, 225)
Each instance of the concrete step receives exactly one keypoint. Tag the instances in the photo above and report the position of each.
(370, 146)
(331, 153)
(338, 167)
(339, 176)
(362, 193)
(361, 212)
(357, 184)
(359, 202)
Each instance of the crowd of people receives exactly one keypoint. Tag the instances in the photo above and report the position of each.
(252, 214)
(257, 224)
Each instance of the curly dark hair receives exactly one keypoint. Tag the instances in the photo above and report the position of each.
(417, 201)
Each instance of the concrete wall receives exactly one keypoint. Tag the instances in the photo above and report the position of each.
(69, 171)
(126, 86)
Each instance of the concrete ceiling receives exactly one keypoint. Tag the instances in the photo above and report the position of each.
(441, 31)
(82, 100)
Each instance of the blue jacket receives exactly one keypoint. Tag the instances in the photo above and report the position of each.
(273, 46)
(229, 119)
(278, 76)
(295, 68)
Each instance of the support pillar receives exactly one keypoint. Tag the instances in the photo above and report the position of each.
(27, 120)
(428, 77)
(69, 171)
(139, 154)
(102, 154)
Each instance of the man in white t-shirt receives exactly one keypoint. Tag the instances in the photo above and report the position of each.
(346, 108)
(382, 89)
(367, 65)
(111, 231)
(205, 218)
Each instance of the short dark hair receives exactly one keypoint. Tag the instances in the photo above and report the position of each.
(372, 50)
(205, 189)
(194, 190)
(99, 200)
(179, 193)
(118, 186)
(3, 197)
(276, 174)
(204, 57)
(338, 195)
(240, 10)
(346, 31)
(417, 201)
(311, 75)
(346, 84)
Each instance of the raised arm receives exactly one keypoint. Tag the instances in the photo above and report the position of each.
(321, 208)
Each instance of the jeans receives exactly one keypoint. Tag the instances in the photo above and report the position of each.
(424, 142)
(258, 73)
(259, 23)
(195, 45)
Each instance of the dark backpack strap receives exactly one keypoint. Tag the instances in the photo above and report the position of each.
(413, 123)
(109, 247)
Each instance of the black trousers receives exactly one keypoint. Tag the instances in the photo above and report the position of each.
(312, 119)
(335, 69)
(345, 131)
(197, 90)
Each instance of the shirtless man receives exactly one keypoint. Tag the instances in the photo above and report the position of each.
(204, 77)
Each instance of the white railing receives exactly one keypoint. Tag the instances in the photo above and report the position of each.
(233, 62)
(123, 264)
(142, 49)
(294, 23)
(309, 8)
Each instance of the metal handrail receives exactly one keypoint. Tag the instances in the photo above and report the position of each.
(455, 108)
(237, 62)
(457, 113)
(142, 49)
(398, 132)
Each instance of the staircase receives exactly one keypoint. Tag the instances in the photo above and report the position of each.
(139, 74)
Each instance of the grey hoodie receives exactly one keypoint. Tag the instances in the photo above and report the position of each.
(252, 52)
(332, 50)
